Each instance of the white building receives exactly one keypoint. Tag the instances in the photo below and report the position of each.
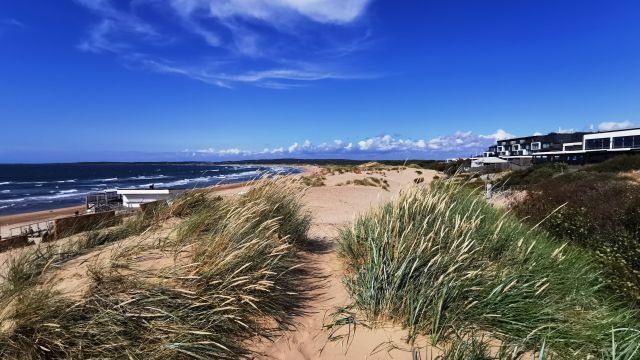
(487, 161)
(132, 198)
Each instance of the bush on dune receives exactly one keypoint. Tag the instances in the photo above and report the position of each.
(534, 174)
(237, 275)
(620, 163)
(599, 212)
(443, 263)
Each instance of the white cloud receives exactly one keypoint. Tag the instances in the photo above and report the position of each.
(276, 11)
(294, 147)
(463, 143)
(499, 135)
(281, 59)
(613, 125)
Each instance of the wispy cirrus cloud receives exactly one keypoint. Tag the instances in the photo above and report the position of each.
(12, 22)
(7, 23)
(383, 146)
(269, 43)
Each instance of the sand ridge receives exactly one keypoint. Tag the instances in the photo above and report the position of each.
(339, 201)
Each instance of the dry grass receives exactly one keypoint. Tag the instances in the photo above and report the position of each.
(235, 274)
(368, 181)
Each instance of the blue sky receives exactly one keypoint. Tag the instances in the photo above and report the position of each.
(95, 80)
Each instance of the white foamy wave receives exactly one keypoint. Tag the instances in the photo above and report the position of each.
(5, 206)
(5, 191)
(66, 181)
(144, 177)
(11, 201)
(67, 191)
(245, 174)
(5, 183)
(184, 182)
(59, 195)
(103, 180)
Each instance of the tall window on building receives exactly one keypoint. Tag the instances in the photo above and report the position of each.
(598, 144)
(626, 142)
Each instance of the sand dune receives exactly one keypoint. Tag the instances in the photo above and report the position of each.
(332, 206)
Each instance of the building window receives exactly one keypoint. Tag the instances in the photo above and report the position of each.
(545, 146)
(535, 146)
(598, 144)
(626, 142)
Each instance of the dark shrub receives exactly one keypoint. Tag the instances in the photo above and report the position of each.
(621, 163)
(597, 211)
(535, 174)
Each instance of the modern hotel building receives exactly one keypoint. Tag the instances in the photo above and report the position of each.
(573, 148)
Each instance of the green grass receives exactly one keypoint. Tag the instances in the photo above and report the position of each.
(443, 263)
(534, 174)
(237, 275)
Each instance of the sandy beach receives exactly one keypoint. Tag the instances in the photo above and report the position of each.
(332, 206)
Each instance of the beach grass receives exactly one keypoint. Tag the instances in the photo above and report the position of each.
(472, 279)
(233, 274)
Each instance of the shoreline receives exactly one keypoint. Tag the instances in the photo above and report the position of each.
(24, 218)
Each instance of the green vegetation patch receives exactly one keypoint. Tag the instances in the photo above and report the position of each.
(443, 263)
(598, 212)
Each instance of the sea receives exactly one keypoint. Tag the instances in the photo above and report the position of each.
(34, 187)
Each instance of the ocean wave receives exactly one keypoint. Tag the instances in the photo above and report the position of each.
(5, 191)
(247, 174)
(11, 201)
(103, 180)
(5, 183)
(145, 177)
(67, 191)
(66, 181)
(45, 198)
(58, 196)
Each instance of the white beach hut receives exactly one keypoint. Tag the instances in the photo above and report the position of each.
(132, 198)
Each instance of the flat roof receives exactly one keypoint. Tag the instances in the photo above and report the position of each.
(571, 133)
(547, 134)
(148, 191)
(609, 131)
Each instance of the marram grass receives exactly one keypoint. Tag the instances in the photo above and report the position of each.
(445, 264)
(237, 276)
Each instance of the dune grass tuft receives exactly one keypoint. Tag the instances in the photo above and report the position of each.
(443, 263)
(234, 274)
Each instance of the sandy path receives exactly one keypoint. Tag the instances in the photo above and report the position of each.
(333, 207)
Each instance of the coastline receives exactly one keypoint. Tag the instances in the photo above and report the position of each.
(25, 218)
